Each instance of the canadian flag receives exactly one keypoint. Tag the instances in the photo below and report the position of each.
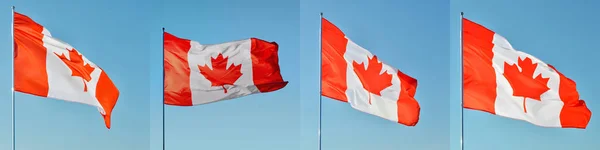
(197, 74)
(503, 81)
(47, 67)
(350, 73)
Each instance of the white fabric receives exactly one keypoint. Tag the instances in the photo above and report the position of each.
(61, 84)
(237, 52)
(543, 113)
(384, 106)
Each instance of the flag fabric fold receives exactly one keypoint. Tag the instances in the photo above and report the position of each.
(47, 67)
(196, 74)
(350, 73)
(503, 81)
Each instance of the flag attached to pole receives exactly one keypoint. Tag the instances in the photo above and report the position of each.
(500, 80)
(47, 67)
(199, 74)
(352, 74)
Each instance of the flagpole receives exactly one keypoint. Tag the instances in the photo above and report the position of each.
(12, 88)
(462, 128)
(163, 85)
(320, 80)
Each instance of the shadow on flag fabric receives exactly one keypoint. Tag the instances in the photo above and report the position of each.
(196, 74)
(502, 81)
(47, 67)
(352, 74)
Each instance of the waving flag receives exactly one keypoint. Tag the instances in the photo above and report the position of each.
(352, 74)
(199, 74)
(500, 80)
(47, 67)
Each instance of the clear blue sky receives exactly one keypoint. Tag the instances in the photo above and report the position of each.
(564, 34)
(124, 38)
(411, 35)
(267, 121)
(111, 33)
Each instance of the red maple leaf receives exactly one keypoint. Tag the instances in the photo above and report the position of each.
(523, 82)
(220, 75)
(370, 76)
(78, 67)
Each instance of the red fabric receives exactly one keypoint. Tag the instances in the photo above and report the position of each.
(265, 66)
(479, 77)
(333, 64)
(176, 71)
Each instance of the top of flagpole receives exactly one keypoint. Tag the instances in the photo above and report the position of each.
(462, 13)
(163, 29)
(321, 14)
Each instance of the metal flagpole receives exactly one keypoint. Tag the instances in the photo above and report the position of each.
(12, 88)
(163, 97)
(320, 79)
(462, 128)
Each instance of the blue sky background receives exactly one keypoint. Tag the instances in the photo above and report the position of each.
(268, 121)
(561, 33)
(411, 35)
(124, 38)
(111, 33)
